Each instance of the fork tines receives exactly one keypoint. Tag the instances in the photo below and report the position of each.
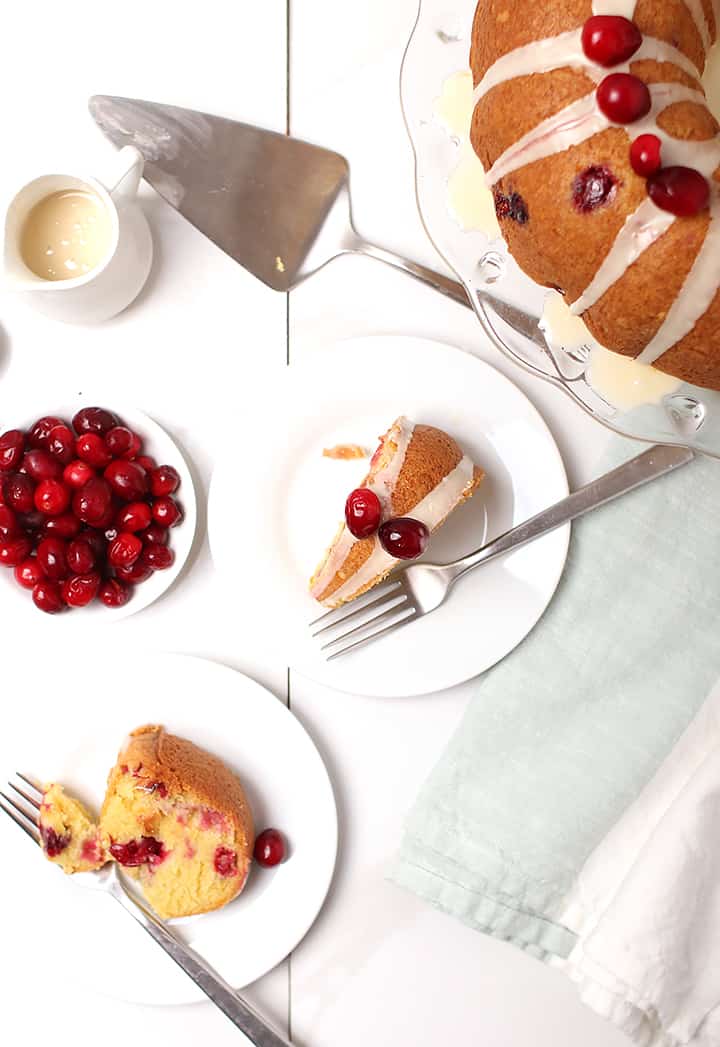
(383, 610)
(26, 819)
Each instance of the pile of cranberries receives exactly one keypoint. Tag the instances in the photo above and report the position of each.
(84, 514)
(402, 537)
(611, 40)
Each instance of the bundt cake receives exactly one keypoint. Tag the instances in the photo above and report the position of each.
(176, 818)
(592, 126)
(68, 835)
(417, 476)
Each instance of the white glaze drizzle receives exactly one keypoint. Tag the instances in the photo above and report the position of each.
(431, 511)
(696, 295)
(697, 11)
(626, 8)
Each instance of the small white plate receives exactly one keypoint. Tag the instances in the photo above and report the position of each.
(93, 941)
(159, 445)
(284, 509)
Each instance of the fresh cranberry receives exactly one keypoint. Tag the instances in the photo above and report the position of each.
(154, 534)
(512, 206)
(96, 541)
(61, 444)
(145, 851)
(91, 448)
(146, 462)
(9, 525)
(19, 493)
(225, 862)
(77, 474)
(34, 523)
(118, 440)
(128, 479)
(166, 512)
(164, 480)
(363, 512)
(80, 556)
(114, 593)
(624, 98)
(66, 525)
(14, 550)
(593, 187)
(40, 432)
(40, 465)
(680, 190)
(645, 155)
(125, 550)
(53, 843)
(93, 501)
(106, 521)
(94, 420)
(12, 445)
(52, 497)
(159, 557)
(404, 538)
(135, 574)
(46, 596)
(52, 557)
(134, 517)
(81, 589)
(269, 848)
(134, 449)
(610, 39)
(29, 573)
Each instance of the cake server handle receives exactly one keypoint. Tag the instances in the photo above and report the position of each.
(240, 1013)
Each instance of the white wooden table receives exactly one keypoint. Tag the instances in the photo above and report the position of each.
(378, 968)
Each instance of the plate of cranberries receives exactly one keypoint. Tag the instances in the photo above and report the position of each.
(97, 510)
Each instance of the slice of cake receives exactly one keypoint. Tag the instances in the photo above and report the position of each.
(178, 821)
(68, 835)
(417, 476)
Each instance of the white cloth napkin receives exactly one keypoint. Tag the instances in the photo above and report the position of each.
(646, 906)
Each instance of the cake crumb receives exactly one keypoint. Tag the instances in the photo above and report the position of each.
(279, 264)
(345, 452)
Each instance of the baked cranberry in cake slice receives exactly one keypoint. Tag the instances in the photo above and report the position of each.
(68, 835)
(178, 821)
(418, 471)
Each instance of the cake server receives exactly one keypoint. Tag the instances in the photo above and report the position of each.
(412, 592)
(277, 205)
(24, 809)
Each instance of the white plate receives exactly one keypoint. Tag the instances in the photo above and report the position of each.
(352, 393)
(159, 445)
(93, 940)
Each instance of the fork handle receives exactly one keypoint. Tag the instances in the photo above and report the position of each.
(655, 462)
(240, 1013)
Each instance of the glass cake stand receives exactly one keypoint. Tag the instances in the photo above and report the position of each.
(673, 412)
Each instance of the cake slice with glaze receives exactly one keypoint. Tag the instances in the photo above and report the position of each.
(418, 472)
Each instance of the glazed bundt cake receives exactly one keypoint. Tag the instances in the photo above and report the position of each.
(593, 129)
(417, 476)
(68, 835)
(176, 818)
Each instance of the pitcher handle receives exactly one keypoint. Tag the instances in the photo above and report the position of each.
(124, 178)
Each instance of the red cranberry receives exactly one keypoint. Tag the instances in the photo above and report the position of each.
(125, 550)
(9, 525)
(34, 522)
(46, 596)
(12, 445)
(166, 512)
(40, 432)
(154, 533)
(146, 462)
(269, 848)
(679, 190)
(114, 593)
(66, 525)
(94, 420)
(14, 550)
(145, 851)
(40, 465)
(136, 574)
(77, 474)
(159, 557)
(363, 512)
(96, 541)
(593, 187)
(118, 440)
(624, 98)
(19, 493)
(512, 206)
(80, 556)
(225, 862)
(134, 517)
(645, 155)
(91, 449)
(81, 589)
(53, 843)
(404, 538)
(610, 39)
(164, 480)
(93, 501)
(29, 573)
(52, 497)
(61, 444)
(51, 555)
(128, 479)
(135, 448)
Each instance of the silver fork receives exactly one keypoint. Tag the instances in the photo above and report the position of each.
(25, 815)
(414, 591)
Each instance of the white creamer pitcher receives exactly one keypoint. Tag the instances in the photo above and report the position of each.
(118, 277)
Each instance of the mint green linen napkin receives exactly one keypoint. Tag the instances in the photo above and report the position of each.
(563, 734)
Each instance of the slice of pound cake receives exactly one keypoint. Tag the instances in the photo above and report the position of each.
(177, 819)
(68, 835)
